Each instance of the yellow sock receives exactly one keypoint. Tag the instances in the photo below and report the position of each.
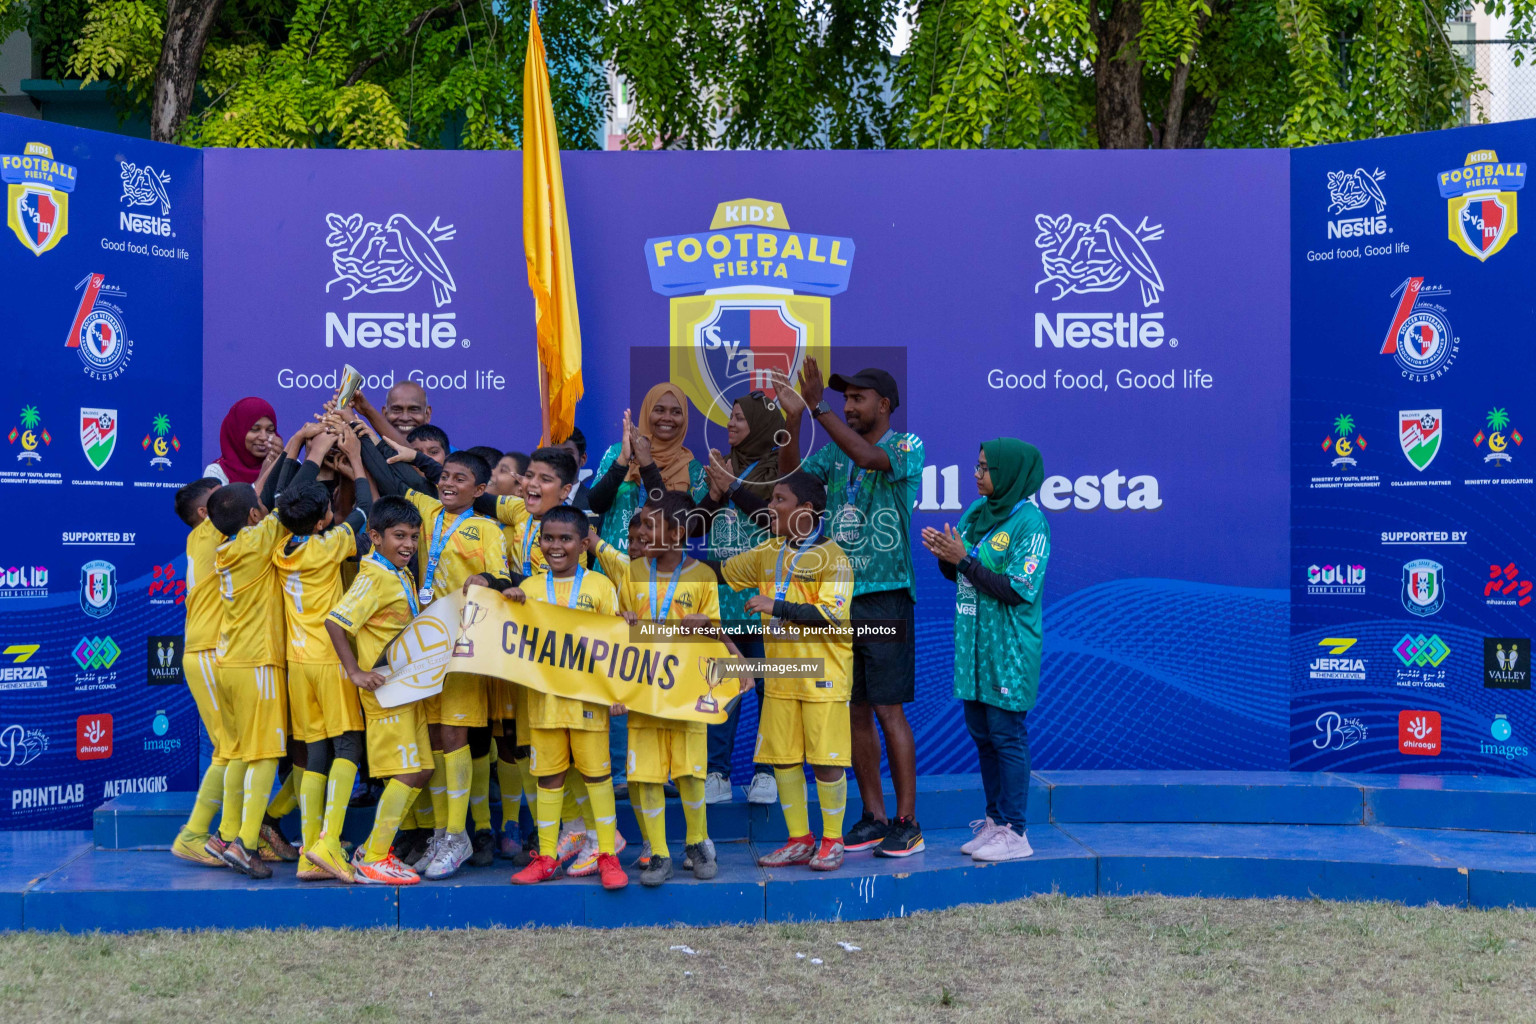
(653, 816)
(530, 783)
(311, 807)
(386, 818)
(600, 799)
(511, 782)
(409, 821)
(423, 808)
(797, 817)
(459, 770)
(691, 789)
(547, 816)
(287, 796)
(234, 801)
(338, 794)
(833, 797)
(210, 794)
(438, 789)
(480, 792)
(258, 784)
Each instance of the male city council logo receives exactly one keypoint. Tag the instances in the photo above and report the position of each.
(37, 189)
(371, 258)
(777, 310)
(1420, 337)
(98, 435)
(98, 331)
(1423, 587)
(1080, 258)
(1419, 434)
(1480, 202)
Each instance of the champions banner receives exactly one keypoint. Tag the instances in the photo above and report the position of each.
(564, 651)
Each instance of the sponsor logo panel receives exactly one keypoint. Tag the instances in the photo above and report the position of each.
(93, 737)
(1507, 662)
(1418, 733)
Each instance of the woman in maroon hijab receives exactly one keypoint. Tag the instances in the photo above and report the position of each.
(248, 433)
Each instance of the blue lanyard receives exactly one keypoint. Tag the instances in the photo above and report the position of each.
(781, 580)
(856, 480)
(976, 550)
(401, 575)
(439, 538)
(549, 587)
(744, 474)
(654, 592)
(530, 534)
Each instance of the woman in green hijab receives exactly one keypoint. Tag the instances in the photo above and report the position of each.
(997, 558)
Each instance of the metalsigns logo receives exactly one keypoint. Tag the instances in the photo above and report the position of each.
(29, 432)
(1338, 732)
(161, 440)
(98, 588)
(1500, 433)
(146, 187)
(1506, 587)
(1418, 732)
(98, 331)
(98, 435)
(1480, 202)
(1345, 448)
(19, 675)
(1419, 434)
(37, 196)
(724, 346)
(19, 746)
(23, 581)
(1359, 189)
(1336, 580)
(1423, 586)
(1352, 669)
(1507, 662)
(1420, 337)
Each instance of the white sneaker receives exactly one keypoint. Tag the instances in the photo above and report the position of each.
(1005, 844)
(764, 789)
(572, 839)
(451, 854)
(981, 830)
(717, 789)
(426, 858)
(586, 860)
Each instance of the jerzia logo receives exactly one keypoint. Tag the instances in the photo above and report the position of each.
(1420, 336)
(98, 331)
(1480, 202)
(393, 256)
(37, 196)
(1357, 190)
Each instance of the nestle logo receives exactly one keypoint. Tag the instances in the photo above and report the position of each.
(93, 737)
(1355, 227)
(392, 330)
(144, 224)
(1101, 330)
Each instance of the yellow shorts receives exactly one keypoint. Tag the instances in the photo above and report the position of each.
(502, 697)
(552, 751)
(397, 738)
(524, 729)
(793, 732)
(202, 680)
(462, 702)
(657, 754)
(254, 703)
(322, 702)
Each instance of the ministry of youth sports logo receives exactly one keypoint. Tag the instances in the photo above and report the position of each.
(1080, 258)
(373, 258)
(1420, 337)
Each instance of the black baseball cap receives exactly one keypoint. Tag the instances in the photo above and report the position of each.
(875, 379)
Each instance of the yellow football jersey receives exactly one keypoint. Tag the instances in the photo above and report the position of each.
(545, 710)
(375, 608)
(474, 546)
(820, 575)
(204, 606)
(310, 576)
(251, 627)
(522, 535)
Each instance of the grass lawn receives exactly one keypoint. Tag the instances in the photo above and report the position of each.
(1047, 958)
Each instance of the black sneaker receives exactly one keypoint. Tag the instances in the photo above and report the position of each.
(700, 859)
(903, 840)
(244, 861)
(411, 843)
(865, 834)
(656, 872)
(484, 844)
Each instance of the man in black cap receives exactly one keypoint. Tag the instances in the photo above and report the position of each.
(872, 474)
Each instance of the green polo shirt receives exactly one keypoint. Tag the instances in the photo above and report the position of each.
(997, 646)
(870, 513)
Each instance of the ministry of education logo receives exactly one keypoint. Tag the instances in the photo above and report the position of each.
(98, 435)
(1420, 337)
(161, 440)
(98, 331)
(1423, 586)
(1419, 434)
(373, 258)
(1080, 258)
(1481, 202)
(1499, 434)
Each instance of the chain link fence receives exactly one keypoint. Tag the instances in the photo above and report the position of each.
(1509, 92)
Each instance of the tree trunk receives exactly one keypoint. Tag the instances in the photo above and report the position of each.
(187, 25)
(1196, 122)
(1122, 123)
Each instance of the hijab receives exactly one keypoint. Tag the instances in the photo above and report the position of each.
(1017, 472)
(239, 465)
(764, 421)
(670, 456)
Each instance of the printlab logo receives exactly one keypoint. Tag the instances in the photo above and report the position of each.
(1480, 202)
(93, 737)
(1420, 337)
(1502, 732)
(1419, 434)
(1506, 587)
(1355, 190)
(37, 196)
(19, 746)
(29, 432)
(372, 258)
(95, 653)
(1344, 449)
(98, 435)
(1337, 668)
(165, 660)
(1500, 433)
(1423, 586)
(147, 187)
(23, 581)
(98, 331)
(1338, 732)
(98, 588)
(1418, 732)
(19, 675)
(164, 587)
(1506, 663)
(1336, 580)
(161, 440)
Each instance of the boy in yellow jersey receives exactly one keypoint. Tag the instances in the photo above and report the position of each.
(322, 701)
(382, 600)
(194, 842)
(252, 688)
(507, 481)
(458, 546)
(803, 580)
(565, 732)
(662, 584)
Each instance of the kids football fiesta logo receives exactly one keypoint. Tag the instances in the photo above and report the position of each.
(98, 332)
(37, 196)
(1480, 202)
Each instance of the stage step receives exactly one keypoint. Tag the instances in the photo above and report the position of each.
(1476, 802)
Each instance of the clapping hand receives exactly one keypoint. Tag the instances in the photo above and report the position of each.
(626, 437)
(791, 402)
(719, 475)
(947, 546)
(811, 386)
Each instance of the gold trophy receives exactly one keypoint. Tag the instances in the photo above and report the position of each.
(713, 675)
(463, 646)
(351, 379)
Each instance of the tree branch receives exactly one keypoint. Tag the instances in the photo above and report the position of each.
(410, 30)
(1177, 87)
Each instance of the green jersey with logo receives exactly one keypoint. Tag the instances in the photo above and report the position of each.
(869, 513)
(997, 646)
(631, 496)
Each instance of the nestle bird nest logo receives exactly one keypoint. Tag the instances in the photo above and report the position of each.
(385, 257)
(1082, 257)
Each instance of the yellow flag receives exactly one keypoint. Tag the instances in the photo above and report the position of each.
(547, 245)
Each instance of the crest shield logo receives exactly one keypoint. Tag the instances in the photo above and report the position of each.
(724, 346)
(1419, 434)
(1481, 195)
(98, 588)
(1483, 220)
(98, 435)
(1423, 587)
(37, 196)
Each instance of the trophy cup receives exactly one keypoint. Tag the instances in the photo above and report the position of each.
(463, 646)
(713, 675)
(351, 378)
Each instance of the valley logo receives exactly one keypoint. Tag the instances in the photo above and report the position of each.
(165, 660)
(1506, 663)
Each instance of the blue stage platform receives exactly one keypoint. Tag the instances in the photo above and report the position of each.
(1462, 841)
